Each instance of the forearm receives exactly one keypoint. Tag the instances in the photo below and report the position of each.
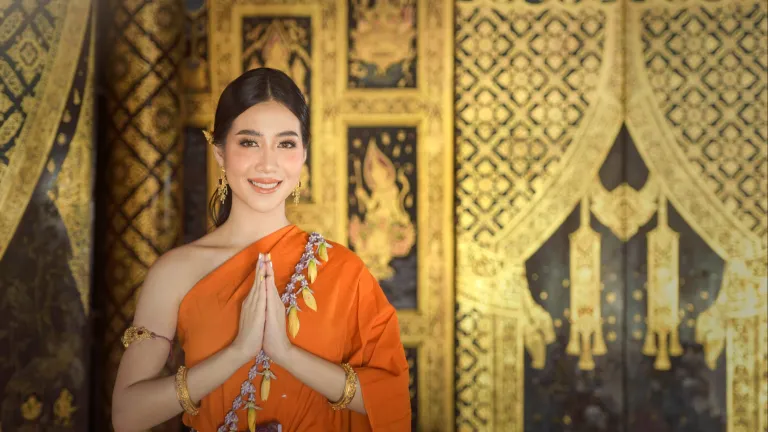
(321, 375)
(148, 403)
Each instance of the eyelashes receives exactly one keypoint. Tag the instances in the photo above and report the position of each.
(283, 144)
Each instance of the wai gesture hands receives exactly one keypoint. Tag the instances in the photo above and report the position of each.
(262, 316)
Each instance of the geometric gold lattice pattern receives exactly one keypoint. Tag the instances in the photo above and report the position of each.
(696, 108)
(524, 80)
(537, 108)
(143, 163)
(707, 67)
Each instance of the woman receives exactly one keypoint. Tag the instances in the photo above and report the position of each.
(278, 326)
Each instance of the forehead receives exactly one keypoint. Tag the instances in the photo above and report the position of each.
(267, 118)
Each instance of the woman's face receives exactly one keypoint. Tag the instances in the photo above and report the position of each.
(263, 155)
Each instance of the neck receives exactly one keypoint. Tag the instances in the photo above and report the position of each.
(245, 226)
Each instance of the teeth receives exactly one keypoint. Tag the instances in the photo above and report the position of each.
(264, 185)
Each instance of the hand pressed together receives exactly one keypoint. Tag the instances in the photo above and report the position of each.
(276, 342)
(262, 317)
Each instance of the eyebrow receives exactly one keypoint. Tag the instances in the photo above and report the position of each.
(251, 132)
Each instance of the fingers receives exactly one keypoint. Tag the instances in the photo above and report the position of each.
(257, 282)
(267, 275)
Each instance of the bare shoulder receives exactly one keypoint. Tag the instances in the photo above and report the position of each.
(179, 269)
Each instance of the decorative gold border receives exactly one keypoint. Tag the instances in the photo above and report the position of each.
(497, 271)
(34, 143)
(656, 143)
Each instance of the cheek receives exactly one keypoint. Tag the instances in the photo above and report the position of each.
(236, 159)
(292, 162)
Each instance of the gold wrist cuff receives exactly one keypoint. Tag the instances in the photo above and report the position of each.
(350, 387)
(182, 393)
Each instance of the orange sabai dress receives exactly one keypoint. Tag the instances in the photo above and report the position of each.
(353, 323)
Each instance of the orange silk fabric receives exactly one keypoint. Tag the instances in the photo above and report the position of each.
(354, 323)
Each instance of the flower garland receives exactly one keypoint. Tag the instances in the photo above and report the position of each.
(247, 397)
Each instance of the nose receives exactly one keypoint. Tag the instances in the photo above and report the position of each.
(267, 159)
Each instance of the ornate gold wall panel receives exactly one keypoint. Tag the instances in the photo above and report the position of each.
(379, 95)
(538, 106)
(46, 154)
(143, 168)
(28, 127)
(697, 110)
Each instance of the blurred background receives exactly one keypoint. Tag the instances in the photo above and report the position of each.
(565, 200)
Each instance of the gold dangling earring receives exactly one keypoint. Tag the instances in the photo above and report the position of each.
(221, 191)
(297, 193)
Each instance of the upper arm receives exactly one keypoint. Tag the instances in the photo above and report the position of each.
(156, 310)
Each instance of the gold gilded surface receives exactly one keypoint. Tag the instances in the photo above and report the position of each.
(72, 192)
(586, 318)
(383, 35)
(662, 337)
(697, 113)
(195, 70)
(624, 209)
(385, 231)
(334, 108)
(536, 114)
(143, 169)
(41, 107)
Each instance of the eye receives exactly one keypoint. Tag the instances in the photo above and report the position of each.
(287, 144)
(249, 143)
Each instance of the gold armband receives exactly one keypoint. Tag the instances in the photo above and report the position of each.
(135, 334)
(350, 387)
(182, 393)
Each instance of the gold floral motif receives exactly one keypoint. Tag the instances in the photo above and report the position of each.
(624, 210)
(32, 408)
(663, 292)
(586, 336)
(383, 36)
(385, 230)
(63, 408)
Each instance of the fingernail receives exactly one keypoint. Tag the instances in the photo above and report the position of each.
(269, 257)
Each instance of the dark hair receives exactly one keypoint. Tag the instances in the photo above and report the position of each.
(249, 89)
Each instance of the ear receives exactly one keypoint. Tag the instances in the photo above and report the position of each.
(218, 153)
(305, 155)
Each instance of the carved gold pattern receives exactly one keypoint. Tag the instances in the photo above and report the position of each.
(333, 110)
(697, 113)
(36, 116)
(662, 337)
(624, 210)
(536, 115)
(143, 190)
(385, 230)
(586, 319)
(383, 36)
(64, 407)
(32, 408)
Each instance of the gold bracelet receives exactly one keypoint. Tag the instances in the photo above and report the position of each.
(350, 387)
(182, 393)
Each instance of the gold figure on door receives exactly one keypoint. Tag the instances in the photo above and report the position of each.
(586, 336)
(663, 292)
(386, 230)
(282, 46)
(383, 36)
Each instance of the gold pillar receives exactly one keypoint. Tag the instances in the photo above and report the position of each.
(143, 163)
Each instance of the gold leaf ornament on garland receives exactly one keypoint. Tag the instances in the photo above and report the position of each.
(316, 250)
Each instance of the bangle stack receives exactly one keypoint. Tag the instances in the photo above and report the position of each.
(350, 387)
(182, 393)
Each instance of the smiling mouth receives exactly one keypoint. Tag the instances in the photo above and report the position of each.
(265, 186)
